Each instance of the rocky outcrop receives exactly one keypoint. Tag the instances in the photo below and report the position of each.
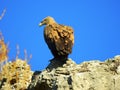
(91, 75)
(62, 75)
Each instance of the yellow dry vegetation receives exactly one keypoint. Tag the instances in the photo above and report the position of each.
(3, 51)
(17, 75)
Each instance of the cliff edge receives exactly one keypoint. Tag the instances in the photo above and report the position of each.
(91, 75)
(59, 75)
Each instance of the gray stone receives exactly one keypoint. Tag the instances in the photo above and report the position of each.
(91, 75)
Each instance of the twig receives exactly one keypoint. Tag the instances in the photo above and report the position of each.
(3, 13)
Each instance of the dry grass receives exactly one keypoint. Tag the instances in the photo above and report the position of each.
(15, 75)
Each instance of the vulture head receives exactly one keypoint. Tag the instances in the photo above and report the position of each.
(47, 21)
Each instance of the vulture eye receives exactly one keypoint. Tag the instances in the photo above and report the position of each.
(45, 20)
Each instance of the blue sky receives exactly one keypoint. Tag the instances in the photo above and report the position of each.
(96, 26)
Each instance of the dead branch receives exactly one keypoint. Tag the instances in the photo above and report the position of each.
(3, 13)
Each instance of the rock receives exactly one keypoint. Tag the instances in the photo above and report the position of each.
(62, 75)
(91, 75)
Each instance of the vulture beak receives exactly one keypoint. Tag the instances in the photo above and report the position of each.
(40, 24)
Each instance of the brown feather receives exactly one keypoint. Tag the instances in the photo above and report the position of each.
(60, 39)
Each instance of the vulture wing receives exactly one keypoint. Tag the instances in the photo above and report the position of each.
(59, 39)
